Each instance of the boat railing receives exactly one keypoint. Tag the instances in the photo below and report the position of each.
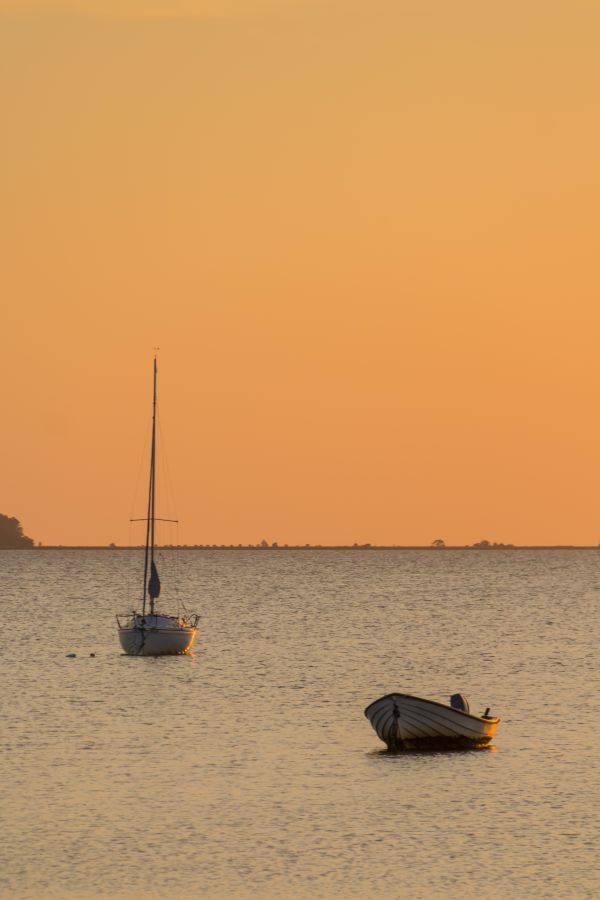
(124, 619)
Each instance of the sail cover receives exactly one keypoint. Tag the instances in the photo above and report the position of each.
(153, 582)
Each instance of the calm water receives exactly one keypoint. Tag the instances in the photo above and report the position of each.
(249, 770)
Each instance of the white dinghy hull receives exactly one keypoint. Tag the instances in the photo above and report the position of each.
(156, 636)
(404, 722)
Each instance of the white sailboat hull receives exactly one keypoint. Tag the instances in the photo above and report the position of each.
(403, 722)
(156, 636)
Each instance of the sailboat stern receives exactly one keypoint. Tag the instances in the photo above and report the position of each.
(155, 635)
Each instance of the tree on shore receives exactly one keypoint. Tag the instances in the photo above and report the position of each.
(11, 534)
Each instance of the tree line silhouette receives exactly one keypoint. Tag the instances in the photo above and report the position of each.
(11, 534)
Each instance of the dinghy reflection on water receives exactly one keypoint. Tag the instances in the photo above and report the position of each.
(153, 633)
(404, 722)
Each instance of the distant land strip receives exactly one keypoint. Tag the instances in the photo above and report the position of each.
(317, 547)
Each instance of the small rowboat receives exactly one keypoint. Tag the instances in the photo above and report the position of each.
(404, 722)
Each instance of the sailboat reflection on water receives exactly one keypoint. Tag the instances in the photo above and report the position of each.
(150, 633)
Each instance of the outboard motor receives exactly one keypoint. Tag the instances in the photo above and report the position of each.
(458, 701)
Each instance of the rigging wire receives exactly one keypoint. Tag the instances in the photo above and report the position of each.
(133, 504)
(172, 512)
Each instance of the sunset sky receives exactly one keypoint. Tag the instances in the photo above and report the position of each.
(365, 237)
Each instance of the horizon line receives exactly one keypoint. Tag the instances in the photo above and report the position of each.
(277, 546)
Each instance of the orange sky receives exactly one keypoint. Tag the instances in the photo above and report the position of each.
(365, 241)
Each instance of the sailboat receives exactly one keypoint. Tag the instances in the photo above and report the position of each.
(150, 633)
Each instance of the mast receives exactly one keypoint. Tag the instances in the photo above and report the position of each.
(149, 555)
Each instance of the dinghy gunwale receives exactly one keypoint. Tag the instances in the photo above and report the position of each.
(488, 719)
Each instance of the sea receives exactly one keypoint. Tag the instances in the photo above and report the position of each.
(247, 769)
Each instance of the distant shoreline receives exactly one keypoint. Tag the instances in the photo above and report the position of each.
(324, 547)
